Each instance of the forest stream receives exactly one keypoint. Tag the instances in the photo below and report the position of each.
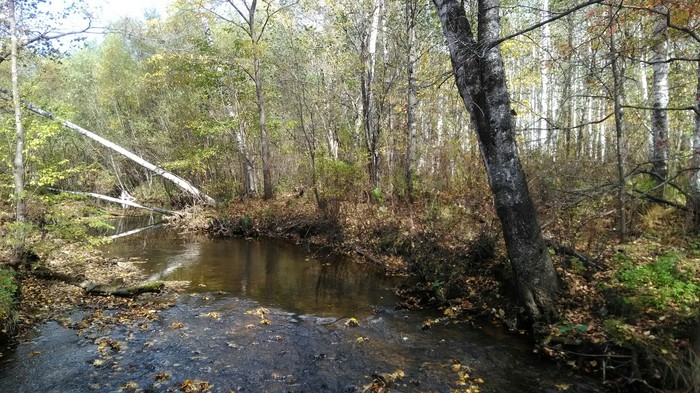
(268, 316)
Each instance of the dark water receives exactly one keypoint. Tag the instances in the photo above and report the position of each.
(272, 272)
(214, 334)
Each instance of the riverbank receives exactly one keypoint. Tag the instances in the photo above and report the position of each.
(628, 313)
(292, 320)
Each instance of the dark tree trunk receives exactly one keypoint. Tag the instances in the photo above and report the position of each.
(480, 79)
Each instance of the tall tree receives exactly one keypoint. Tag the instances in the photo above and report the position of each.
(20, 204)
(480, 77)
(411, 96)
(255, 29)
(369, 102)
(617, 93)
(660, 98)
(694, 200)
(229, 98)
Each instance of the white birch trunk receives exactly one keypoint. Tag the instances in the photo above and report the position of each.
(545, 99)
(20, 204)
(659, 118)
(121, 201)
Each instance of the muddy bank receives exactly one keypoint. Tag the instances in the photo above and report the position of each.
(209, 342)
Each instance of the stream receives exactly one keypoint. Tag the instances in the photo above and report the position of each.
(268, 316)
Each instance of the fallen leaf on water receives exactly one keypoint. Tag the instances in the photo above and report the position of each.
(162, 376)
(98, 362)
(34, 353)
(195, 386)
(352, 322)
(562, 386)
(129, 387)
(177, 325)
(249, 326)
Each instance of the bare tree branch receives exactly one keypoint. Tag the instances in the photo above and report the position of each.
(45, 36)
(544, 22)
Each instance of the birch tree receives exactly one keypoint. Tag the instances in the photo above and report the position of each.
(412, 92)
(660, 98)
(20, 204)
(694, 200)
(480, 78)
(369, 103)
(229, 98)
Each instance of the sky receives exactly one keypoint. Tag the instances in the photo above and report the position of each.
(110, 10)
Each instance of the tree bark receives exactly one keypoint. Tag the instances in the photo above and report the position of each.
(546, 133)
(268, 192)
(20, 203)
(659, 118)
(480, 79)
(411, 97)
(620, 144)
(182, 183)
(694, 200)
(369, 104)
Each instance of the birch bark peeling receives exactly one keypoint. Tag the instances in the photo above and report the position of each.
(182, 183)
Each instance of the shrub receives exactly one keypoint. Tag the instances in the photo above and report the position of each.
(660, 284)
(8, 289)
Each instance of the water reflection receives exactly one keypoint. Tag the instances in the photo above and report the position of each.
(272, 272)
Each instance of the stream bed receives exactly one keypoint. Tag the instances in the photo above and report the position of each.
(268, 316)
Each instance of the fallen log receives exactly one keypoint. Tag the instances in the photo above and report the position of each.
(113, 289)
(370, 257)
(132, 291)
(569, 251)
(182, 183)
(117, 200)
(135, 231)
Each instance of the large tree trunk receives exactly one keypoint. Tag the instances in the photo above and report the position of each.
(659, 118)
(480, 79)
(20, 204)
